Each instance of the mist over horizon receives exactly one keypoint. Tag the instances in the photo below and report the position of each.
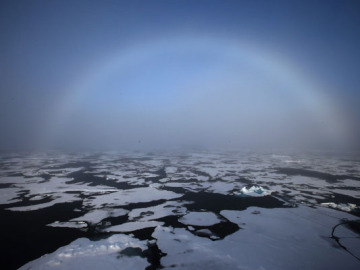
(168, 75)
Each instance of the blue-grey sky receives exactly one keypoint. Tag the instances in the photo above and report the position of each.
(163, 74)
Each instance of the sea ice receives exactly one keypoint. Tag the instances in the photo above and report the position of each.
(56, 198)
(287, 238)
(170, 170)
(155, 212)
(200, 219)
(8, 195)
(221, 187)
(254, 191)
(203, 232)
(69, 224)
(125, 197)
(133, 226)
(341, 206)
(97, 215)
(348, 192)
(83, 254)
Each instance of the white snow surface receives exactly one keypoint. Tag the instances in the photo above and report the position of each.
(200, 219)
(68, 224)
(295, 238)
(341, 206)
(8, 195)
(254, 191)
(125, 197)
(83, 254)
(221, 187)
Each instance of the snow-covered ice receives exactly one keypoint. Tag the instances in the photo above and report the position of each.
(200, 219)
(158, 211)
(97, 215)
(295, 238)
(341, 206)
(254, 191)
(86, 254)
(124, 197)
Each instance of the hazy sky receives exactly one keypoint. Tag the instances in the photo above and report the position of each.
(164, 74)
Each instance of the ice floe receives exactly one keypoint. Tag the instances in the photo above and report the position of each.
(159, 211)
(55, 199)
(271, 239)
(133, 226)
(200, 219)
(97, 215)
(221, 187)
(254, 191)
(86, 254)
(170, 170)
(69, 224)
(348, 191)
(125, 197)
(9, 195)
(347, 207)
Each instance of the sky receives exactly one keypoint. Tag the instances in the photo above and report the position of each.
(116, 75)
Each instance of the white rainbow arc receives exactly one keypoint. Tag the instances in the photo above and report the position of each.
(310, 92)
